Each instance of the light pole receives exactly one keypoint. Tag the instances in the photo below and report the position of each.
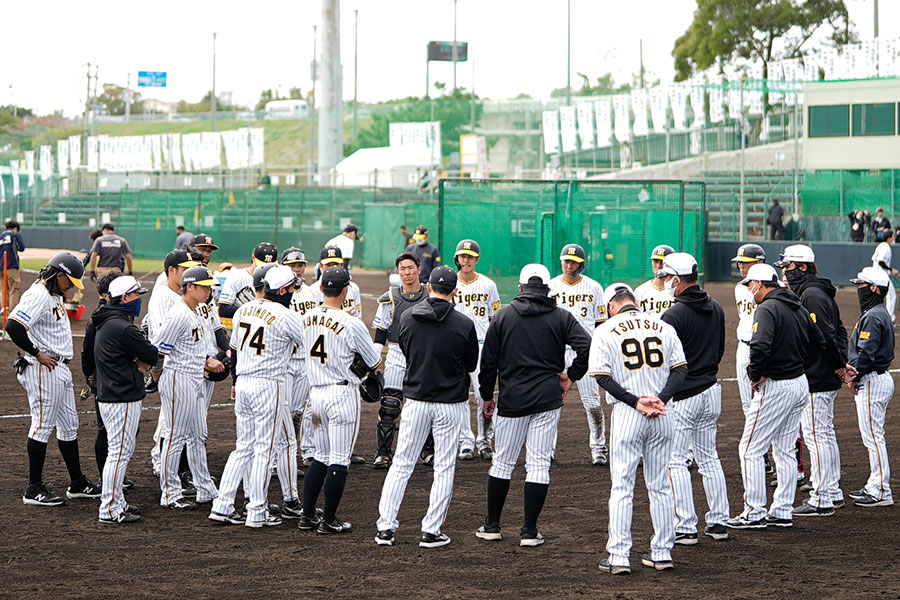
(212, 100)
(355, 69)
(453, 52)
(312, 116)
(569, 53)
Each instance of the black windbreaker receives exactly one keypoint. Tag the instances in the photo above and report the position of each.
(117, 342)
(700, 323)
(441, 349)
(817, 296)
(526, 345)
(785, 340)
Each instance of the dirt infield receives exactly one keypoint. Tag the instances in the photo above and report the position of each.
(65, 552)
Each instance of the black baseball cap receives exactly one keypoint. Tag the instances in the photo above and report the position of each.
(201, 239)
(179, 258)
(293, 255)
(335, 278)
(443, 276)
(198, 276)
(350, 227)
(421, 232)
(331, 254)
(265, 253)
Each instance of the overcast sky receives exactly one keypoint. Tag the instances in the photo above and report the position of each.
(517, 45)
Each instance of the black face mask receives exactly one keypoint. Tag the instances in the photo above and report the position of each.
(282, 299)
(867, 298)
(796, 278)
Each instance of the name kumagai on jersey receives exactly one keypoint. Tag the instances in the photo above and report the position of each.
(584, 299)
(478, 300)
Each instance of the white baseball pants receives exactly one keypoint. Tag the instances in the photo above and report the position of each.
(484, 431)
(51, 401)
(537, 433)
(872, 400)
(121, 421)
(335, 419)
(817, 423)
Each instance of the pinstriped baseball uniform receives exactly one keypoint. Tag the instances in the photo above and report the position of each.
(882, 254)
(478, 300)
(394, 361)
(746, 306)
(209, 315)
(124, 418)
(263, 336)
(162, 299)
(652, 300)
(511, 433)
(638, 351)
(302, 302)
(353, 300)
(51, 396)
(331, 337)
(182, 341)
(235, 281)
(584, 299)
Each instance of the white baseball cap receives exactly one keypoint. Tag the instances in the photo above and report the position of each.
(279, 276)
(761, 272)
(534, 270)
(797, 253)
(613, 289)
(125, 284)
(679, 263)
(872, 275)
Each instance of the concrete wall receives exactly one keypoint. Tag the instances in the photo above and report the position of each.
(836, 261)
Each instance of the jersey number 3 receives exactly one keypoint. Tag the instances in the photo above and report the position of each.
(256, 340)
(318, 350)
(638, 355)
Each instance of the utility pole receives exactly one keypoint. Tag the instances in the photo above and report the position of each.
(453, 52)
(312, 115)
(641, 67)
(569, 53)
(87, 109)
(128, 99)
(94, 99)
(331, 134)
(876, 18)
(473, 97)
(355, 70)
(212, 100)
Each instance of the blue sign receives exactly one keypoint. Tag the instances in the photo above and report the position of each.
(151, 79)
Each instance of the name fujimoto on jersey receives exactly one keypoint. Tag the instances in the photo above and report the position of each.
(259, 312)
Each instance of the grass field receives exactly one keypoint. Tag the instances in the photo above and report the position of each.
(141, 265)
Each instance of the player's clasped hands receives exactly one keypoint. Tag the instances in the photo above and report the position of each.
(650, 406)
(214, 365)
(487, 408)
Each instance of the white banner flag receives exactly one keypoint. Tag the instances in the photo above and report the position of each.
(603, 114)
(74, 152)
(93, 154)
(678, 95)
(697, 95)
(889, 58)
(639, 109)
(550, 127)
(175, 152)
(156, 144)
(585, 112)
(567, 128)
(622, 111)
(14, 173)
(257, 146)
(775, 77)
(2, 191)
(659, 105)
(62, 157)
(29, 166)
(753, 97)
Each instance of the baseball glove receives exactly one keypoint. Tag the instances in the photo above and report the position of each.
(359, 367)
(245, 295)
(216, 377)
(371, 387)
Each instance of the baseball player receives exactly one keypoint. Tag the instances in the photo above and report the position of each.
(183, 342)
(478, 299)
(881, 259)
(525, 346)
(699, 322)
(653, 296)
(332, 256)
(238, 286)
(640, 363)
(40, 326)
(122, 353)
(441, 348)
(429, 254)
(391, 306)
(870, 356)
(203, 244)
(583, 297)
(332, 338)
(264, 335)
(825, 377)
(784, 340)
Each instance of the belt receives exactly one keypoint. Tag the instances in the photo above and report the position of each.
(66, 361)
(743, 342)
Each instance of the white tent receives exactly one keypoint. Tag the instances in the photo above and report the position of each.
(381, 167)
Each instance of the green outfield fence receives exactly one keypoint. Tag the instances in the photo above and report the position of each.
(617, 222)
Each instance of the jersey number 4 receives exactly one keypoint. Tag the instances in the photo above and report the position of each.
(318, 350)
(255, 340)
(649, 353)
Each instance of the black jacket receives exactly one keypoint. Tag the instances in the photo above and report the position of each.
(526, 343)
(429, 258)
(87, 350)
(117, 342)
(785, 340)
(441, 349)
(700, 323)
(872, 342)
(817, 297)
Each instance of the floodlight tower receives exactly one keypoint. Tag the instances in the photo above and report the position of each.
(331, 137)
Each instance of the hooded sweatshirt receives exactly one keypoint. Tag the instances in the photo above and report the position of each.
(785, 340)
(817, 296)
(441, 349)
(117, 342)
(699, 322)
(526, 345)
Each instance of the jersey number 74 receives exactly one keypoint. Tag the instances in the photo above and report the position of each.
(256, 340)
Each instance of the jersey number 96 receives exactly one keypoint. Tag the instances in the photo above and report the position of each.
(649, 353)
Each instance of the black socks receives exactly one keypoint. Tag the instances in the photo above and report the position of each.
(69, 451)
(37, 454)
(497, 489)
(334, 490)
(535, 494)
(312, 485)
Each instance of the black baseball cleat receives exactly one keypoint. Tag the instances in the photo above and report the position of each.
(739, 522)
(614, 569)
(433, 540)
(268, 521)
(233, 518)
(869, 501)
(716, 532)
(132, 509)
(489, 532)
(530, 538)
(122, 519)
(83, 489)
(183, 504)
(39, 495)
(857, 494)
(382, 462)
(776, 522)
(335, 526)
(487, 453)
(685, 539)
(127, 484)
(291, 510)
(385, 538)
(808, 510)
(187, 485)
(305, 523)
(356, 459)
(151, 387)
(659, 565)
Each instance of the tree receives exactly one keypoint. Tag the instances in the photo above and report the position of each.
(605, 85)
(205, 105)
(112, 100)
(764, 30)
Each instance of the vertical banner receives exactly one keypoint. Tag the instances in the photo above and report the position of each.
(639, 109)
(603, 114)
(62, 157)
(29, 166)
(622, 111)
(482, 170)
(175, 152)
(889, 58)
(716, 99)
(257, 147)
(678, 96)
(93, 154)
(550, 126)
(14, 173)
(659, 105)
(775, 77)
(698, 96)
(585, 113)
(74, 152)
(567, 128)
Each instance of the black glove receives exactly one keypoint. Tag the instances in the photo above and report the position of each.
(93, 275)
(359, 367)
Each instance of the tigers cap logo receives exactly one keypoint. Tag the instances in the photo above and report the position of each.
(467, 246)
(571, 250)
(330, 253)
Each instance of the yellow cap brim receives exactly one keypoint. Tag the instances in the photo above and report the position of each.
(188, 264)
(419, 236)
(744, 259)
(658, 257)
(577, 259)
(205, 282)
(336, 261)
(76, 282)
(468, 253)
(298, 261)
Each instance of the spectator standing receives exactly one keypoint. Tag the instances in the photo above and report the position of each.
(11, 243)
(429, 255)
(858, 221)
(184, 238)
(776, 221)
(879, 224)
(112, 251)
(344, 241)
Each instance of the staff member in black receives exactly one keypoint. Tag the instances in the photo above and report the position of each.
(699, 322)
(526, 346)
(441, 349)
(825, 377)
(122, 355)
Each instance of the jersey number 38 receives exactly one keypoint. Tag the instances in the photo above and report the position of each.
(637, 355)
